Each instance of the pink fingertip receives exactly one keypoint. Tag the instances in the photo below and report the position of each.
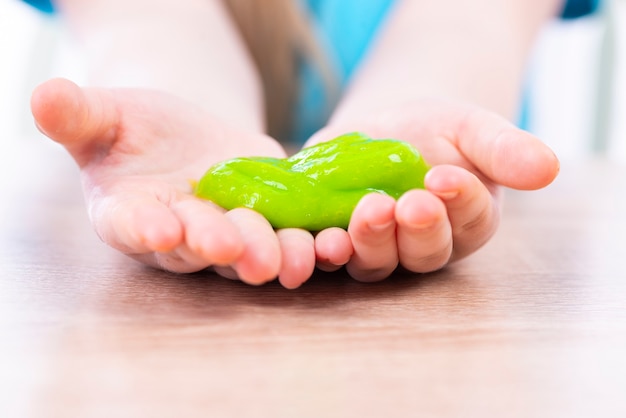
(375, 212)
(227, 250)
(333, 246)
(158, 229)
(418, 209)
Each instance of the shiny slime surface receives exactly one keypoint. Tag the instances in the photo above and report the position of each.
(319, 186)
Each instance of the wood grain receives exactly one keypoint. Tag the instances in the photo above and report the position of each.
(532, 325)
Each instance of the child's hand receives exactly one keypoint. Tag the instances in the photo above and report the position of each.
(137, 151)
(473, 151)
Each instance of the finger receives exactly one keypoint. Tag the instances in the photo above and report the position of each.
(424, 234)
(472, 210)
(298, 256)
(260, 260)
(209, 234)
(373, 232)
(83, 120)
(147, 231)
(136, 224)
(333, 249)
(506, 154)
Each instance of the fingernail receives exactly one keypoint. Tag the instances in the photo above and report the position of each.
(380, 227)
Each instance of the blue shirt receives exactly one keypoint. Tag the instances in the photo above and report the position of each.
(43, 5)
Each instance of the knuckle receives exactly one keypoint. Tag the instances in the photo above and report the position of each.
(425, 263)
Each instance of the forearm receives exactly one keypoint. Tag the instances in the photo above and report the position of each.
(189, 48)
(473, 51)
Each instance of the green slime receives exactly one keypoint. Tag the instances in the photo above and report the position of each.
(318, 187)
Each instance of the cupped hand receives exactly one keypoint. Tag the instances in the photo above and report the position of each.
(473, 153)
(138, 151)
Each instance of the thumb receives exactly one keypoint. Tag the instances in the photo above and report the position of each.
(82, 120)
(508, 155)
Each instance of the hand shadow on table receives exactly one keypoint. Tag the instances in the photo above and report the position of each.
(140, 291)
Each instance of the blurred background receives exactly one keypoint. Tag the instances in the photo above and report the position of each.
(575, 95)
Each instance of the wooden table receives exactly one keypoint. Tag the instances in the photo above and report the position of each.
(533, 325)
